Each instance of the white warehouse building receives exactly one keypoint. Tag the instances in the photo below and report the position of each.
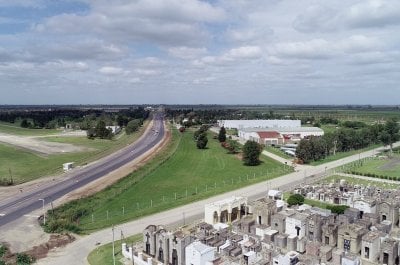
(240, 124)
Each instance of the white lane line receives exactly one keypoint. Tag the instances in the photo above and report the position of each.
(29, 215)
(2, 214)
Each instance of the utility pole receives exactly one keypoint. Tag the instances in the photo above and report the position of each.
(44, 213)
(113, 246)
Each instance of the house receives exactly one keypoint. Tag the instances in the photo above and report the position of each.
(114, 129)
(270, 138)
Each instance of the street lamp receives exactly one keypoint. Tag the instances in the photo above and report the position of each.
(44, 213)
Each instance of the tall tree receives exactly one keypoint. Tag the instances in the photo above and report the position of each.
(392, 129)
(251, 153)
(222, 135)
(202, 141)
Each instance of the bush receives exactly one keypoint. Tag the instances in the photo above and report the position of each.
(338, 209)
(295, 199)
(24, 259)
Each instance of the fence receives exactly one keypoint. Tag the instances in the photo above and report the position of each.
(164, 201)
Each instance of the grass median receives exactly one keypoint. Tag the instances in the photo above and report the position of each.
(178, 175)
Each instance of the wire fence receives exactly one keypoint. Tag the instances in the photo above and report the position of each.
(164, 201)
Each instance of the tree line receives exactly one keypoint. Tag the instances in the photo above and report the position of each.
(84, 119)
(354, 137)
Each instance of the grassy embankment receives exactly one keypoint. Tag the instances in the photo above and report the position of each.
(278, 152)
(103, 254)
(26, 165)
(178, 175)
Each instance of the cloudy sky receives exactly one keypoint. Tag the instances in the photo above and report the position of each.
(191, 51)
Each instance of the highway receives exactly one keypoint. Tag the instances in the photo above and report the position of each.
(26, 202)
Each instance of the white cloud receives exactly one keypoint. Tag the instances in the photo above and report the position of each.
(245, 52)
(186, 53)
(110, 70)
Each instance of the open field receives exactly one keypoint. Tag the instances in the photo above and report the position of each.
(389, 166)
(15, 129)
(25, 165)
(180, 174)
(103, 254)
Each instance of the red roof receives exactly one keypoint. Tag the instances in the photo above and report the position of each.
(266, 135)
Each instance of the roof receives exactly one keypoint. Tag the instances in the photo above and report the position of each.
(201, 248)
(272, 134)
(284, 129)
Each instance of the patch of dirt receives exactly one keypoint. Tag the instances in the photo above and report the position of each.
(39, 252)
(40, 146)
(393, 162)
(239, 156)
(55, 241)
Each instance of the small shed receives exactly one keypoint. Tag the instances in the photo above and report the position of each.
(68, 166)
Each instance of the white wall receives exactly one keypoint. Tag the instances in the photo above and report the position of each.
(364, 206)
(194, 257)
(291, 224)
(239, 124)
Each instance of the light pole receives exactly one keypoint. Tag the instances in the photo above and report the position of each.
(44, 213)
(113, 246)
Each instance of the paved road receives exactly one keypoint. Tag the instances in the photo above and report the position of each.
(26, 202)
(77, 252)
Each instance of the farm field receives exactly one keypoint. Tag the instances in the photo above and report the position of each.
(180, 174)
(25, 165)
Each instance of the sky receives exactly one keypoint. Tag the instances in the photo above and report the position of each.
(199, 52)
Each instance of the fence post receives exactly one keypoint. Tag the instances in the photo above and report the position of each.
(107, 214)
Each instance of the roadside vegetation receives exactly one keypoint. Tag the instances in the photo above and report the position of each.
(20, 165)
(103, 253)
(181, 173)
(298, 199)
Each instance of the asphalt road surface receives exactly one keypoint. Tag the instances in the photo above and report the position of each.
(26, 202)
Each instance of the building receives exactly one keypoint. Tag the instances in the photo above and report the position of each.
(225, 211)
(241, 124)
(278, 136)
(68, 166)
(114, 129)
(198, 253)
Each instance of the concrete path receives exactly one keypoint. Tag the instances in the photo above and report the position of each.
(77, 252)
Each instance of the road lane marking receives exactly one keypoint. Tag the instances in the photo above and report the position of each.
(2, 214)
(29, 215)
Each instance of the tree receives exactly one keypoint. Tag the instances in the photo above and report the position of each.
(202, 141)
(25, 123)
(251, 153)
(392, 129)
(232, 146)
(222, 135)
(133, 126)
(304, 151)
(295, 199)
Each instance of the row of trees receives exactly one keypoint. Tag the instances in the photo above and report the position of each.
(84, 119)
(200, 136)
(346, 139)
(100, 131)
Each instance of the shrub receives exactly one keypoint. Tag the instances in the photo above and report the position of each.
(295, 199)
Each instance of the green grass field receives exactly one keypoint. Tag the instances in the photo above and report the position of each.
(26, 166)
(278, 152)
(171, 179)
(12, 128)
(102, 255)
(385, 167)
